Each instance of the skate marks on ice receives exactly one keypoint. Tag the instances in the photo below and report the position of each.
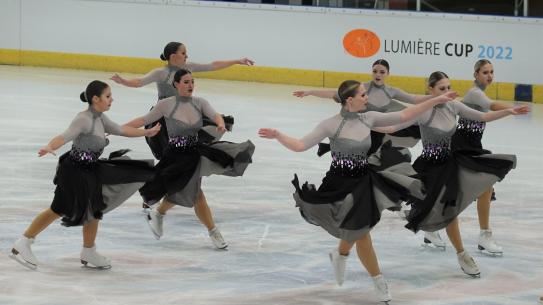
(274, 257)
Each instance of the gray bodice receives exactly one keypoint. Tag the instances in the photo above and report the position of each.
(380, 98)
(475, 99)
(436, 133)
(88, 134)
(165, 86)
(349, 156)
(183, 135)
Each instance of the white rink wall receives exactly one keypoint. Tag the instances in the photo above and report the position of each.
(278, 36)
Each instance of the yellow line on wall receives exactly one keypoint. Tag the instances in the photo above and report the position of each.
(315, 78)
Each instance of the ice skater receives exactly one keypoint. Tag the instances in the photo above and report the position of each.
(356, 189)
(186, 159)
(86, 186)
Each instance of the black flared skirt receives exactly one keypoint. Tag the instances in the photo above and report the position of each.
(87, 191)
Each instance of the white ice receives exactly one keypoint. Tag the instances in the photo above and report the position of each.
(274, 256)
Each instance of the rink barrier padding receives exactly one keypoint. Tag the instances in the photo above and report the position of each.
(523, 93)
(314, 78)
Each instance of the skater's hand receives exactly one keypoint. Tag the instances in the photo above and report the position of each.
(518, 110)
(246, 62)
(221, 129)
(268, 133)
(117, 78)
(152, 131)
(447, 97)
(300, 93)
(46, 150)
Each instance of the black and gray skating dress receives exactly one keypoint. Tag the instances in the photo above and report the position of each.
(163, 77)
(453, 178)
(469, 133)
(87, 186)
(383, 98)
(186, 159)
(356, 189)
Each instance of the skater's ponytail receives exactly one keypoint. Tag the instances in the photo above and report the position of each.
(94, 88)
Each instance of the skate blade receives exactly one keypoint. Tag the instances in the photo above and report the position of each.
(339, 282)
(86, 265)
(148, 220)
(428, 244)
(20, 260)
(478, 275)
(488, 253)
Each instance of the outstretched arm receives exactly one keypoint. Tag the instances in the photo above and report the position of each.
(53, 145)
(490, 116)
(132, 132)
(394, 121)
(135, 123)
(318, 93)
(410, 113)
(289, 142)
(421, 98)
(313, 138)
(394, 128)
(133, 83)
(222, 64)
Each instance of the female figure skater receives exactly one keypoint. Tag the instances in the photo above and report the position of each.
(186, 160)
(381, 98)
(175, 53)
(356, 189)
(468, 137)
(452, 178)
(86, 186)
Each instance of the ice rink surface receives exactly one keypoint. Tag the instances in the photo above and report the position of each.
(274, 256)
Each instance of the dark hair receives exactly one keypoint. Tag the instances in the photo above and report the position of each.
(94, 88)
(179, 74)
(480, 63)
(169, 49)
(382, 62)
(436, 77)
(347, 89)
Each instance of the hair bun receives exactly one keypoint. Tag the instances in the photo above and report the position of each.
(162, 57)
(82, 97)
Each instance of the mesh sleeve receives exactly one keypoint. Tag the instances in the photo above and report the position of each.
(111, 127)
(78, 125)
(467, 112)
(194, 67)
(153, 76)
(207, 109)
(157, 112)
(402, 96)
(378, 119)
(319, 133)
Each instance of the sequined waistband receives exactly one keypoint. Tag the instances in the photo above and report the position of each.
(84, 157)
(183, 142)
(348, 165)
(436, 152)
(470, 126)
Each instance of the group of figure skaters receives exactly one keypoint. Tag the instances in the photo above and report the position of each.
(370, 171)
